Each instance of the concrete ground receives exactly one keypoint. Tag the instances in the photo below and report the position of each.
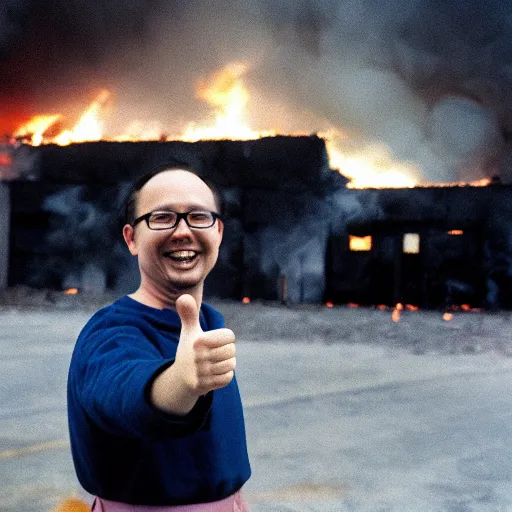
(345, 409)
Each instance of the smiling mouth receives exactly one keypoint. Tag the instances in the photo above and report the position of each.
(181, 255)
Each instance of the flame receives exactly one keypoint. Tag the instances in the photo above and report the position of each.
(396, 312)
(329, 304)
(411, 307)
(71, 291)
(372, 166)
(35, 128)
(447, 317)
(88, 127)
(476, 183)
(465, 307)
(479, 183)
(246, 300)
(139, 131)
(227, 95)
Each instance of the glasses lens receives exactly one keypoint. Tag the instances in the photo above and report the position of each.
(162, 220)
(200, 219)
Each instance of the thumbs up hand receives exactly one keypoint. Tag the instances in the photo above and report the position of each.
(204, 360)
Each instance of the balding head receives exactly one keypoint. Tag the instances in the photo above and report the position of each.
(158, 177)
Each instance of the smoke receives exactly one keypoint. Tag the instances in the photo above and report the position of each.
(422, 77)
(87, 251)
(11, 12)
(429, 79)
(53, 53)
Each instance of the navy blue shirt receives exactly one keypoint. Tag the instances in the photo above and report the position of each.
(125, 449)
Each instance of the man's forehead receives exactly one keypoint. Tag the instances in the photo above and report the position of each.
(176, 187)
(175, 177)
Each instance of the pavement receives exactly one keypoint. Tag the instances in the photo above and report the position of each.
(331, 426)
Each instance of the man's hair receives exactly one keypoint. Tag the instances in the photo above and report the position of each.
(130, 208)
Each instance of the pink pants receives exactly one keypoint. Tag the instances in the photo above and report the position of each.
(233, 503)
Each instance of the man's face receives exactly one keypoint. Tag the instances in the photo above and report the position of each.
(180, 258)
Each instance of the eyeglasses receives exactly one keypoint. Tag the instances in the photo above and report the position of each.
(160, 220)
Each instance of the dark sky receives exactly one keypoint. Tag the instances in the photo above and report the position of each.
(431, 79)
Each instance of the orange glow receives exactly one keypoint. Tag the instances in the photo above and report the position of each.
(5, 159)
(329, 304)
(480, 183)
(360, 243)
(71, 291)
(447, 317)
(352, 305)
(72, 505)
(456, 232)
(246, 300)
(410, 307)
(465, 307)
(382, 307)
(396, 312)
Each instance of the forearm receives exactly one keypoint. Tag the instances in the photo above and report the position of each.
(170, 394)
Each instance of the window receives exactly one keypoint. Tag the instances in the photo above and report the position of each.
(411, 243)
(456, 232)
(360, 243)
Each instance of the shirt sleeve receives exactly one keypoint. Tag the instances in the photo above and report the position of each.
(113, 377)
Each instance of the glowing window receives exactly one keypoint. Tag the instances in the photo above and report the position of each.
(411, 243)
(360, 243)
(456, 232)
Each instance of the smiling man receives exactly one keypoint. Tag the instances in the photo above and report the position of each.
(155, 415)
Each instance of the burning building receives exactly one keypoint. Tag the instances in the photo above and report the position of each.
(403, 97)
(294, 231)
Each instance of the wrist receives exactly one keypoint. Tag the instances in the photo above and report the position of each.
(172, 394)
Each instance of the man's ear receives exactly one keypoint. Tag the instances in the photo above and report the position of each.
(220, 225)
(129, 238)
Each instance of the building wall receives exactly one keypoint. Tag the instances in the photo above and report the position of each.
(288, 222)
(465, 252)
(276, 223)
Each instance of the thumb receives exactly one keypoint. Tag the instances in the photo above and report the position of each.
(188, 312)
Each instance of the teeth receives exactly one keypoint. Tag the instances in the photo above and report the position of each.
(182, 255)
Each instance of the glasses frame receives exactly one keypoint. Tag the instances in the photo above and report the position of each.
(179, 216)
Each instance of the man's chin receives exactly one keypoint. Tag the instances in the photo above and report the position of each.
(187, 278)
(183, 282)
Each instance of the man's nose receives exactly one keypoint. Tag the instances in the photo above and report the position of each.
(182, 228)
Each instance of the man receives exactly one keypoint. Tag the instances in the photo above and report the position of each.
(155, 415)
